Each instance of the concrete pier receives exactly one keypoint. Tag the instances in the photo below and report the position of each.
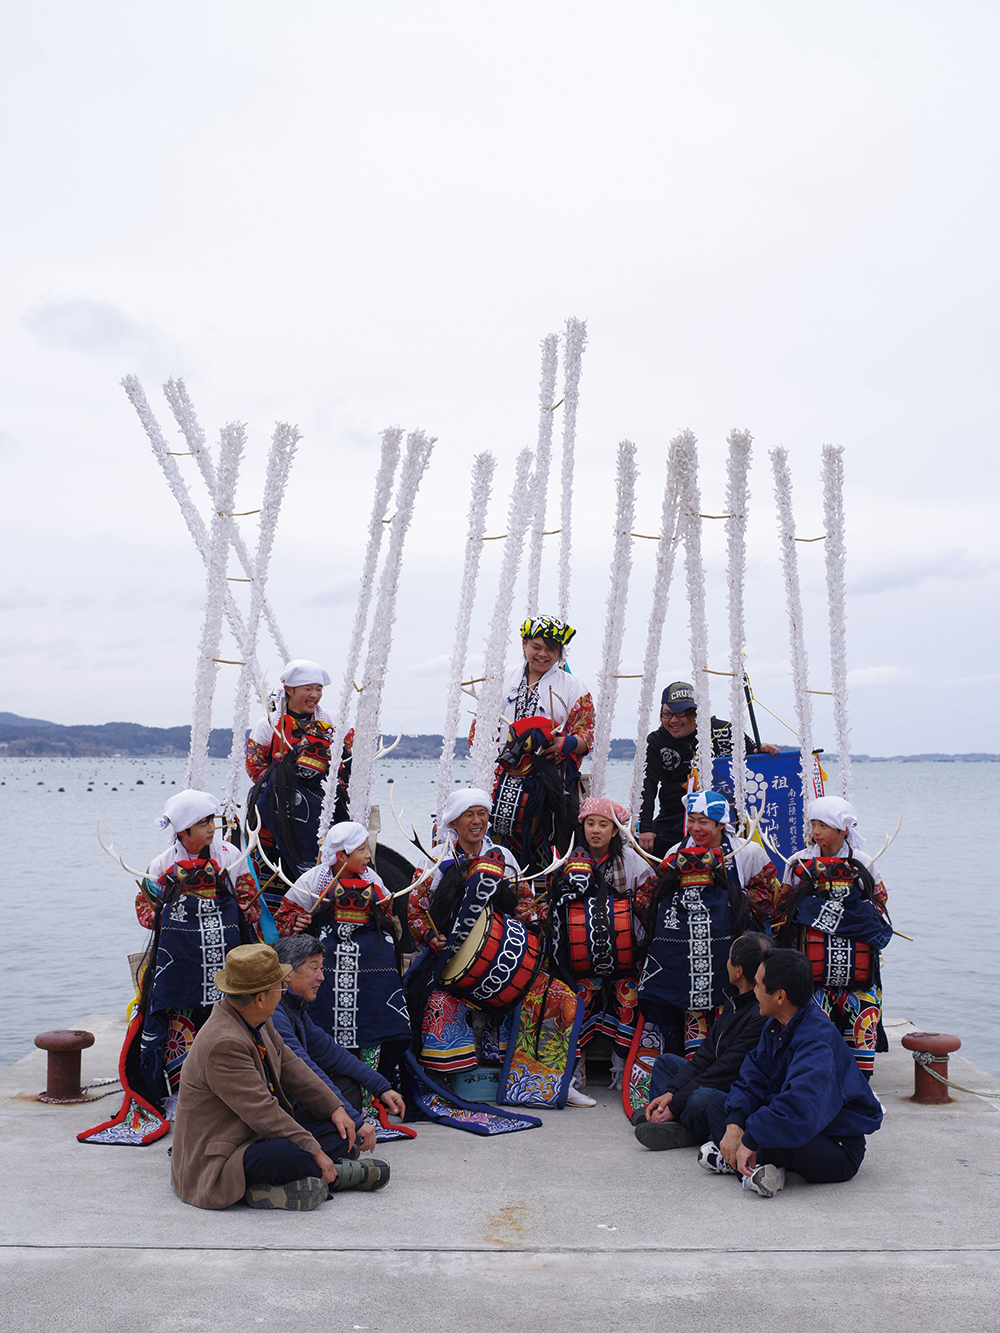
(570, 1226)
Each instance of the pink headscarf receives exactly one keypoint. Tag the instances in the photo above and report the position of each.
(600, 805)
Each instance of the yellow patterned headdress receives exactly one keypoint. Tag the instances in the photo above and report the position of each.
(548, 627)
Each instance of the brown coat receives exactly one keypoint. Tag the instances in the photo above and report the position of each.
(224, 1105)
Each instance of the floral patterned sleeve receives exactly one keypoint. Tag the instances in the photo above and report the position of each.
(881, 897)
(248, 898)
(145, 904)
(764, 891)
(418, 911)
(284, 917)
(580, 721)
(257, 758)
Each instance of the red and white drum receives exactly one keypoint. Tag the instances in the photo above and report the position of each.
(496, 963)
(836, 960)
(591, 952)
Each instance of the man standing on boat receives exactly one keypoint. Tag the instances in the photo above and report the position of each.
(670, 753)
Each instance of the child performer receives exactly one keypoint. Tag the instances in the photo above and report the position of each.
(833, 909)
(597, 908)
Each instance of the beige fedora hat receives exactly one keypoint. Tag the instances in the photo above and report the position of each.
(250, 968)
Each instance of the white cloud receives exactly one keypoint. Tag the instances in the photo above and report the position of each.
(863, 678)
(956, 563)
(98, 328)
(431, 666)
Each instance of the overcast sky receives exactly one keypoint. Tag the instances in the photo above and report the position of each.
(775, 216)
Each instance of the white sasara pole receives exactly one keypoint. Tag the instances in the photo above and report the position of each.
(836, 556)
(737, 504)
(694, 570)
(614, 625)
(543, 455)
(576, 339)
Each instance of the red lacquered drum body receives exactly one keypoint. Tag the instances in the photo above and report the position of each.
(496, 963)
(836, 960)
(591, 953)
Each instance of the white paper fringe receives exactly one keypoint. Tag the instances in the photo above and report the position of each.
(793, 599)
(230, 454)
(543, 457)
(737, 507)
(482, 486)
(486, 743)
(666, 551)
(576, 339)
(836, 556)
(687, 465)
(614, 625)
(392, 439)
(418, 452)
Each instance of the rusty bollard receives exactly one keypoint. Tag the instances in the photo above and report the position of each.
(64, 1065)
(930, 1053)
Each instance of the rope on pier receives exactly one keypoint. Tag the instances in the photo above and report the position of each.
(926, 1059)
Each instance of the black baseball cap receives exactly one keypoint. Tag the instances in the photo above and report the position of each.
(678, 697)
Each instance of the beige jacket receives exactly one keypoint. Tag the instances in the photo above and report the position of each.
(224, 1105)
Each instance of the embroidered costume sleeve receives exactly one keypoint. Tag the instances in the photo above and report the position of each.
(145, 904)
(418, 912)
(248, 897)
(258, 753)
(580, 721)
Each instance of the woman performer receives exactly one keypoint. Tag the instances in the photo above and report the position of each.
(454, 1035)
(197, 912)
(346, 906)
(536, 796)
(710, 891)
(287, 758)
(833, 909)
(596, 908)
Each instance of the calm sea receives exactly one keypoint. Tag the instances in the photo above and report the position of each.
(67, 921)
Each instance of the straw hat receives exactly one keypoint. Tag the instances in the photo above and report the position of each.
(250, 968)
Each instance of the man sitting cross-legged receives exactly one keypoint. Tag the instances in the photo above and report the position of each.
(799, 1101)
(253, 1120)
(681, 1091)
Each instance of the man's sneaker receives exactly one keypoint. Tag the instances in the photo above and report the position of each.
(297, 1196)
(667, 1134)
(639, 1115)
(711, 1158)
(765, 1180)
(365, 1173)
(577, 1098)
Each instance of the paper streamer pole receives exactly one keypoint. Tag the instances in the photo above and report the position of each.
(793, 599)
(392, 440)
(666, 550)
(833, 514)
(614, 625)
(195, 525)
(185, 416)
(418, 452)
(687, 465)
(576, 339)
(482, 485)
(284, 443)
(485, 745)
(543, 455)
(230, 454)
(737, 506)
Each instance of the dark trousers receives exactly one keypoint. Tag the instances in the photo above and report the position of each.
(277, 1161)
(823, 1160)
(695, 1114)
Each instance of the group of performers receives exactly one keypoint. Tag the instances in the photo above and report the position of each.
(545, 921)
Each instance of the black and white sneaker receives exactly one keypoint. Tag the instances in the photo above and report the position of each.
(765, 1180)
(711, 1158)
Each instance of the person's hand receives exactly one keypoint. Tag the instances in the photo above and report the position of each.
(366, 1137)
(344, 1125)
(302, 920)
(658, 1111)
(769, 749)
(562, 748)
(647, 841)
(731, 1143)
(436, 942)
(393, 1102)
(745, 1160)
(327, 1166)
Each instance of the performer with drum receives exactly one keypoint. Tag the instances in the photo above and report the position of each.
(833, 909)
(536, 795)
(596, 909)
(480, 965)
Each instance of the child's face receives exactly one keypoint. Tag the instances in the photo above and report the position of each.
(598, 831)
(705, 832)
(828, 840)
(358, 860)
(193, 839)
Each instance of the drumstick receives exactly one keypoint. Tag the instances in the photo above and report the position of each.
(328, 887)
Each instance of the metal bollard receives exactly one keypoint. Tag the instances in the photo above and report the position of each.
(930, 1054)
(63, 1071)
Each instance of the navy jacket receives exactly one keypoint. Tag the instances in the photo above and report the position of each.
(322, 1054)
(717, 1061)
(802, 1080)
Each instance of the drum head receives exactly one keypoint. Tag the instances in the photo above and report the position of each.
(470, 946)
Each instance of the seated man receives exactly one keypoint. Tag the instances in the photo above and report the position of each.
(680, 1090)
(343, 1072)
(799, 1101)
(237, 1134)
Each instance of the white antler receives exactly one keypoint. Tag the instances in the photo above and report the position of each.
(275, 869)
(889, 840)
(114, 855)
(252, 842)
(383, 750)
(626, 833)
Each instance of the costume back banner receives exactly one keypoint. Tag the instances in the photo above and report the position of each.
(774, 788)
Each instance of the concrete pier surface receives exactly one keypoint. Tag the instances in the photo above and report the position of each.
(570, 1226)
